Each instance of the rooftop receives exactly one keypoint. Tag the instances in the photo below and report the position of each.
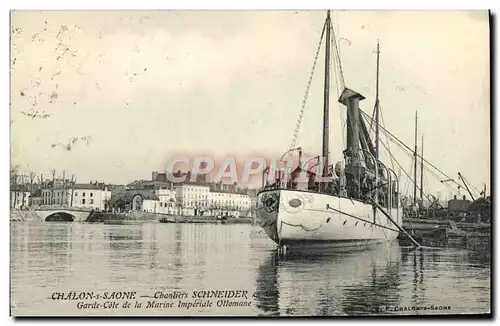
(126, 195)
(90, 186)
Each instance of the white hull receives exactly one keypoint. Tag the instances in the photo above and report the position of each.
(300, 218)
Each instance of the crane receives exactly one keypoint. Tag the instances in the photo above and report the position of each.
(452, 180)
(466, 186)
(460, 176)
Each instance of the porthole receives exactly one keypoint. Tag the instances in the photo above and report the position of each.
(344, 222)
(356, 223)
(327, 220)
(295, 203)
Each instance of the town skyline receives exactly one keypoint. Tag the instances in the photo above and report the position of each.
(132, 89)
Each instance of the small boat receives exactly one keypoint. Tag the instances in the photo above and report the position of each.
(129, 217)
(167, 220)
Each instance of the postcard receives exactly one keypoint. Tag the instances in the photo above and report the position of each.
(250, 163)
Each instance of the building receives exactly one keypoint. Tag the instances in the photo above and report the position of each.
(252, 193)
(150, 204)
(195, 197)
(84, 195)
(192, 199)
(19, 198)
(167, 201)
(479, 211)
(457, 208)
(229, 203)
(162, 177)
(36, 199)
(91, 195)
(125, 200)
(148, 185)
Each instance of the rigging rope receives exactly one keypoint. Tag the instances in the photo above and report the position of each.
(388, 143)
(373, 118)
(337, 52)
(397, 140)
(337, 86)
(411, 180)
(427, 169)
(338, 70)
(308, 87)
(410, 154)
(408, 183)
(389, 136)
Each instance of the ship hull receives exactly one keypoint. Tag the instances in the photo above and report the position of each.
(302, 219)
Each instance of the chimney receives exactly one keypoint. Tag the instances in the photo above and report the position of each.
(351, 100)
(153, 177)
(464, 197)
(455, 197)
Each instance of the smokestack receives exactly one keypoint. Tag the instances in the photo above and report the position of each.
(351, 99)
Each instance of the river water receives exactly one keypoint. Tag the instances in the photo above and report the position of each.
(48, 259)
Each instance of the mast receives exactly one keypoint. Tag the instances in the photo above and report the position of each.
(326, 99)
(422, 172)
(415, 163)
(377, 107)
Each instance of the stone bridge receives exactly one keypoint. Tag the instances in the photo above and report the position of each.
(63, 214)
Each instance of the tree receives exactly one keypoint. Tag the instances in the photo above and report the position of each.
(14, 176)
(14, 173)
(32, 180)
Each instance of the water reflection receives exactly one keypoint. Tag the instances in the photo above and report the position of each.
(380, 289)
(479, 258)
(366, 282)
(125, 244)
(336, 283)
(177, 261)
(266, 292)
(134, 247)
(57, 245)
(48, 257)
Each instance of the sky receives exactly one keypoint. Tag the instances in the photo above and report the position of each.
(129, 90)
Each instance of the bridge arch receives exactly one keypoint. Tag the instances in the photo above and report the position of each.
(60, 217)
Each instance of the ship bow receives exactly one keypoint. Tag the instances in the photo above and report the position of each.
(268, 203)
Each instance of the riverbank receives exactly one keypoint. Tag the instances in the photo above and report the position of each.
(206, 220)
(23, 215)
(440, 233)
(148, 217)
(123, 218)
(433, 223)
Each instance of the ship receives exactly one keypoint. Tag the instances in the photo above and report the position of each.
(359, 203)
